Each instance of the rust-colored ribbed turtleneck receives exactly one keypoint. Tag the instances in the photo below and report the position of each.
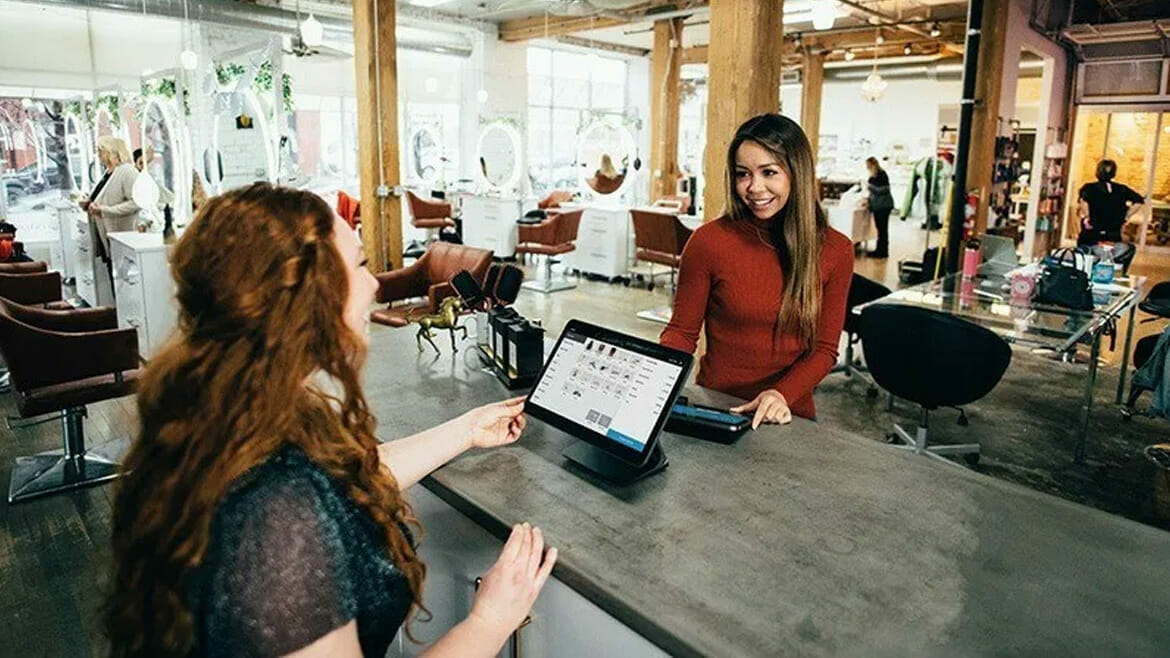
(730, 280)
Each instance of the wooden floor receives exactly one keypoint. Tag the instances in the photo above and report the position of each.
(54, 552)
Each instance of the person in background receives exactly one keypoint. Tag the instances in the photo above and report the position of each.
(881, 203)
(139, 163)
(607, 178)
(113, 208)
(1104, 205)
(768, 280)
(258, 514)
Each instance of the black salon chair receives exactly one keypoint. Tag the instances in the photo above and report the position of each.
(934, 360)
(861, 291)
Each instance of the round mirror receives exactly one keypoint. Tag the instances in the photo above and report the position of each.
(426, 154)
(499, 156)
(77, 153)
(606, 155)
(243, 150)
(164, 157)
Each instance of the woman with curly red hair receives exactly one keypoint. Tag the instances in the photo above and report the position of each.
(258, 514)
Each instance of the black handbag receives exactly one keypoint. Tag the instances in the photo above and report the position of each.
(1065, 285)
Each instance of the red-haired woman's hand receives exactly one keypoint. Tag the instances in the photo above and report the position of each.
(495, 424)
(511, 586)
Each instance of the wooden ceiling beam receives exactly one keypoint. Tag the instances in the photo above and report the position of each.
(553, 26)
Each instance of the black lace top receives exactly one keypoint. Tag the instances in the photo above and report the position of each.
(292, 558)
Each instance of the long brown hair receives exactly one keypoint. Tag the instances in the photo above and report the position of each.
(261, 291)
(798, 231)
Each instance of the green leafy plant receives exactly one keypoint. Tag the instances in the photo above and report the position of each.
(229, 73)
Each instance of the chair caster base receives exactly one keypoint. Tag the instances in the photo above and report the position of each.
(52, 472)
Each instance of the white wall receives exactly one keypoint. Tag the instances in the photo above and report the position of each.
(908, 114)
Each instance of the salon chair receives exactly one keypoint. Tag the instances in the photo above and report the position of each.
(555, 235)
(431, 216)
(861, 291)
(59, 362)
(426, 278)
(1157, 304)
(933, 360)
(31, 284)
(659, 238)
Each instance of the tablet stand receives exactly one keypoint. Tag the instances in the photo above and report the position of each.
(612, 469)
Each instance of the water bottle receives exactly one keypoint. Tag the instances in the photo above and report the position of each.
(971, 258)
(1103, 268)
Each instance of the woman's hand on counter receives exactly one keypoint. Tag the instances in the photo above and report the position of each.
(495, 424)
(510, 587)
(770, 407)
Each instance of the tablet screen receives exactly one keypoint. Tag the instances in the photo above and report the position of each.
(616, 386)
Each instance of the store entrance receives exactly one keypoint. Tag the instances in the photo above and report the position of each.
(1138, 140)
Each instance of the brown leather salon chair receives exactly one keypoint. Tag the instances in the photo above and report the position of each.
(431, 216)
(60, 361)
(554, 236)
(31, 284)
(659, 238)
(427, 278)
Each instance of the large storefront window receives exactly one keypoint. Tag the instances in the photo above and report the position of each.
(326, 143)
(1139, 142)
(561, 87)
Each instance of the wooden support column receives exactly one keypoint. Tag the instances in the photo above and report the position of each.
(376, 68)
(744, 64)
(665, 63)
(812, 87)
(985, 119)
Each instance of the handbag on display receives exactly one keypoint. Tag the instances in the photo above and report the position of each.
(1065, 285)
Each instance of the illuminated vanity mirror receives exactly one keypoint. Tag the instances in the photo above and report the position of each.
(605, 156)
(426, 154)
(26, 182)
(243, 150)
(78, 156)
(164, 153)
(499, 157)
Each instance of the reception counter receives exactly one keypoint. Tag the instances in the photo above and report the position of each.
(797, 540)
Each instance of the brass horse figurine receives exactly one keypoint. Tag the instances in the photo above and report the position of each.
(447, 318)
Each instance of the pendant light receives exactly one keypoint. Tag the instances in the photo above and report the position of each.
(824, 12)
(187, 59)
(874, 87)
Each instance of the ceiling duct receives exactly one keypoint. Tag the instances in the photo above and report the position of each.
(263, 18)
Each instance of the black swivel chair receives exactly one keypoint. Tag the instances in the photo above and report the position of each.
(861, 291)
(1157, 304)
(934, 360)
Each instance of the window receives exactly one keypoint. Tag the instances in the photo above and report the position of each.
(562, 85)
(326, 143)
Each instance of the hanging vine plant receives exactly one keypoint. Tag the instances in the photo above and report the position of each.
(164, 87)
(83, 110)
(229, 73)
(112, 104)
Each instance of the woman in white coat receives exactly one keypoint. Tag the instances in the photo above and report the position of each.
(114, 209)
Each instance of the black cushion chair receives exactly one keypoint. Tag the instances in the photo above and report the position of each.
(1157, 301)
(933, 360)
(861, 291)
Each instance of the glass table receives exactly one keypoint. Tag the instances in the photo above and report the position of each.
(986, 300)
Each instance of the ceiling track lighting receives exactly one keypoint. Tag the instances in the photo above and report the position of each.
(849, 55)
(907, 50)
(935, 30)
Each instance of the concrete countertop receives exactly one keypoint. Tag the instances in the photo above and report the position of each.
(797, 540)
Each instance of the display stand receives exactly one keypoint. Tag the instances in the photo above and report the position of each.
(612, 469)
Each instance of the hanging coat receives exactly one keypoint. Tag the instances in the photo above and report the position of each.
(1155, 375)
(930, 179)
